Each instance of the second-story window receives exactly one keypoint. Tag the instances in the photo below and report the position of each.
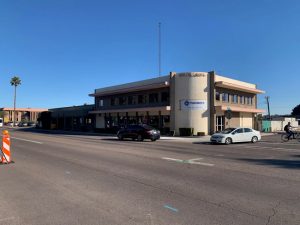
(165, 97)
(218, 96)
(225, 97)
(242, 100)
(113, 101)
(142, 99)
(132, 100)
(249, 100)
(234, 99)
(122, 100)
(100, 103)
(153, 98)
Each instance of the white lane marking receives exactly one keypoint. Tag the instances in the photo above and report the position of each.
(195, 159)
(21, 139)
(171, 159)
(68, 172)
(190, 161)
(201, 163)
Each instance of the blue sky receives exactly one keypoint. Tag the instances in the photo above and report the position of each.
(63, 49)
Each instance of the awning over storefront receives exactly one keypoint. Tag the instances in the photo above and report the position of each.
(161, 108)
(239, 109)
(231, 86)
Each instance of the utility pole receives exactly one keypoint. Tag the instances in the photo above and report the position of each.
(268, 104)
(159, 49)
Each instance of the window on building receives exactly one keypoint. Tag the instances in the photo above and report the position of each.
(153, 98)
(248, 100)
(165, 96)
(122, 100)
(113, 101)
(218, 96)
(100, 103)
(242, 100)
(234, 99)
(142, 99)
(132, 100)
(225, 97)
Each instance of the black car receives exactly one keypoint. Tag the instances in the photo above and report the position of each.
(139, 132)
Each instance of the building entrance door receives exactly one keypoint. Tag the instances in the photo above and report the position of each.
(220, 123)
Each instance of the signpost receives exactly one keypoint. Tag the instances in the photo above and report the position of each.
(228, 114)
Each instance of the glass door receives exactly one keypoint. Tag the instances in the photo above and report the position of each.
(220, 123)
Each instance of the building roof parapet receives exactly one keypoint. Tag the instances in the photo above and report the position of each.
(24, 109)
(148, 84)
(238, 87)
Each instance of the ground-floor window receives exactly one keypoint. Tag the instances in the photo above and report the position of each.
(220, 123)
(161, 122)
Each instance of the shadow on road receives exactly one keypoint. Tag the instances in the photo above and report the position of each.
(203, 143)
(126, 140)
(280, 163)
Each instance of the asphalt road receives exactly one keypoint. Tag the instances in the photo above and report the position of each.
(72, 179)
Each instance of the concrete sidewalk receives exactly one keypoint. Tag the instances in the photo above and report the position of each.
(199, 138)
(95, 135)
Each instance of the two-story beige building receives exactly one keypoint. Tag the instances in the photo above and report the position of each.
(198, 100)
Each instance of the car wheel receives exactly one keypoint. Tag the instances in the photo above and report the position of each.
(153, 139)
(228, 141)
(120, 137)
(140, 138)
(254, 139)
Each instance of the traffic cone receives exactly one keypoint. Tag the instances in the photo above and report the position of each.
(5, 147)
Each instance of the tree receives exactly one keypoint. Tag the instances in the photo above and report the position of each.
(296, 111)
(15, 81)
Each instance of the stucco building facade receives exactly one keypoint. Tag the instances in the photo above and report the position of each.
(22, 114)
(197, 100)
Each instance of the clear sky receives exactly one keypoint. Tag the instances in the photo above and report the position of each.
(64, 49)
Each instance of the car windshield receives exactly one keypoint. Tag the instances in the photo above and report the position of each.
(227, 130)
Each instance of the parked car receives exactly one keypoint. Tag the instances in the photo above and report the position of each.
(22, 124)
(233, 135)
(9, 124)
(31, 124)
(139, 132)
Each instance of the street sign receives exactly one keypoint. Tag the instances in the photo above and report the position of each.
(228, 113)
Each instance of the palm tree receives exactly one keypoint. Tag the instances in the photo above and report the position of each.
(15, 81)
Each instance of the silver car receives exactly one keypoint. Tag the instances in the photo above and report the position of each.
(234, 135)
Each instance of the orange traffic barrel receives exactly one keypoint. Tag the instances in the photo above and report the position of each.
(5, 147)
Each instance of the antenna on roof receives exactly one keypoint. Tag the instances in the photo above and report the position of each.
(159, 49)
